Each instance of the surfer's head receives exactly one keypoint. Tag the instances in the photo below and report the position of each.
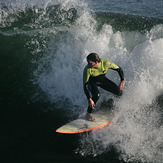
(93, 60)
(93, 57)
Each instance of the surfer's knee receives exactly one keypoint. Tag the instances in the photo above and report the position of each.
(96, 97)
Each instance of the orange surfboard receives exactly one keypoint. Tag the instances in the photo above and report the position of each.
(82, 124)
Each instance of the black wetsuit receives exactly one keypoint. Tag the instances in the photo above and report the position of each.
(95, 77)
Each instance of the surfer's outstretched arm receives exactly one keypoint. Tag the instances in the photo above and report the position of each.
(121, 74)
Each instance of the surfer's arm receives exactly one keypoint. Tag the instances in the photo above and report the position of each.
(110, 65)
(86, 76)
(86, 91)
(121, 74)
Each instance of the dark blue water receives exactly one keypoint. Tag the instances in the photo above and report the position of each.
(43, 45)
(147, 8)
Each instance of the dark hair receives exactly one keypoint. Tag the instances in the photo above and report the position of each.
(93, 57)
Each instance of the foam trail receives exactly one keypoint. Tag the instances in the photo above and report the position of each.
(136, 131)
(62, 34)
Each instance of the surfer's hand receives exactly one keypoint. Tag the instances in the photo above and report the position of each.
(121, 86)
(91, 103)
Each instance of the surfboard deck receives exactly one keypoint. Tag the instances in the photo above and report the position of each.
(82, 124)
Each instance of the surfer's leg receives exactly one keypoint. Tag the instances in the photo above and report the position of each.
(110, 86)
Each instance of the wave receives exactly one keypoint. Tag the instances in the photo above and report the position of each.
(126, 22)
(60, 35)
(37, 18)
(42, 14)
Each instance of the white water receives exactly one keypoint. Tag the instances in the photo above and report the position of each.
(136, 131)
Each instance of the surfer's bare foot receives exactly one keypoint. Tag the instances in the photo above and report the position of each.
(90, 117)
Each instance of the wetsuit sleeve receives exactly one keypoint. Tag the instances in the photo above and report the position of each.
(120, 72)
(113, 66)
(86, 76)
(86, 90)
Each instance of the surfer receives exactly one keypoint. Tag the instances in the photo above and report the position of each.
(94, 77)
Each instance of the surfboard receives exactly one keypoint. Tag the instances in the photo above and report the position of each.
(83, 125)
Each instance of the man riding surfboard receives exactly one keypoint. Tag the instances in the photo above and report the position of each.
(94, 77)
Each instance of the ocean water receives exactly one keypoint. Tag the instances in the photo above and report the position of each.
(43, 46)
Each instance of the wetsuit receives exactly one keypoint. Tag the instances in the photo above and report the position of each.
(93, 77)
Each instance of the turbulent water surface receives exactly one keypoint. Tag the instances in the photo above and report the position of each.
(43, 46)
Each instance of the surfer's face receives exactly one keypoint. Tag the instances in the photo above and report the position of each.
(92, 64)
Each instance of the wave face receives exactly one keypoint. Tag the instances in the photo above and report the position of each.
(50, 42)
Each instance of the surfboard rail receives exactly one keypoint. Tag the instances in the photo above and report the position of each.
(84, 130)
(81, 124)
